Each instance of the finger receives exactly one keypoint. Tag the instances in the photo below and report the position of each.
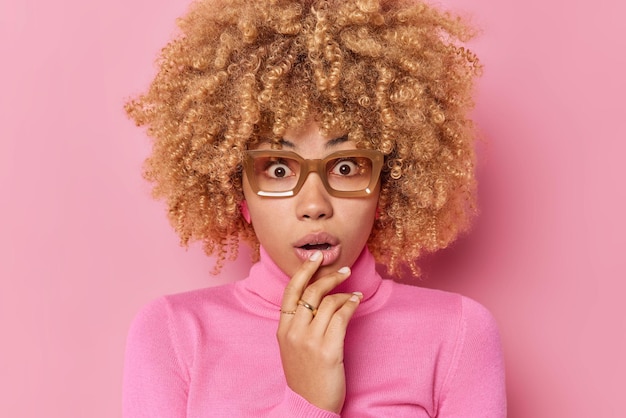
(338, 324)
(295, 287)
(328, 307)
(315, 292)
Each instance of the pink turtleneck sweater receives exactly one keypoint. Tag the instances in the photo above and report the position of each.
(409, 352)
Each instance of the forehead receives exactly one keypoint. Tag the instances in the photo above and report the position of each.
(310, 139)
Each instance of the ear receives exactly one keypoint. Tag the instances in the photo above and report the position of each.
(243, 208)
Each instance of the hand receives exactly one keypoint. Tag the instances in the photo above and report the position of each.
(312, 340)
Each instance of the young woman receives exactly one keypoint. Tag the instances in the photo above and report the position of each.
(331, 135)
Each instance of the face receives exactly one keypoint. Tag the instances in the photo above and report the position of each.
(292, 228)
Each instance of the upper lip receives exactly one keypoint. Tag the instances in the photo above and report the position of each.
(317, 238)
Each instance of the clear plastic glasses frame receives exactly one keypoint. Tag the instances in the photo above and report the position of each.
(297, 169)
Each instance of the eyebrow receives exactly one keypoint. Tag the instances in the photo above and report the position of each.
(330, 144)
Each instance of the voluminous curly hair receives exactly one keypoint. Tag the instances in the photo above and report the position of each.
(392, 74)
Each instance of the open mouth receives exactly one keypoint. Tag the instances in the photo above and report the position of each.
(323, 246)
(320, 241)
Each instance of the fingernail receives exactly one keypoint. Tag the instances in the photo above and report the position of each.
(358, 294)
(344, 270)
(355, 297)
(316, 256)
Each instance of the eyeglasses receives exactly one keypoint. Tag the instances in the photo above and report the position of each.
(348, 173)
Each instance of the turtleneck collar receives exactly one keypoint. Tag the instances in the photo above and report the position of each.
(268, 281)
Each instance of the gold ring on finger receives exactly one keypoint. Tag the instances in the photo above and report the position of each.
(307, 305)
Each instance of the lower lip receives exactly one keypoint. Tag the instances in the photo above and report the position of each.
(330, 255)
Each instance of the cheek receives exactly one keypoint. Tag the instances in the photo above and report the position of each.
(264, 214)
(361, 217)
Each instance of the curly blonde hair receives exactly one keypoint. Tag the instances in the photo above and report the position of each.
(392, 74)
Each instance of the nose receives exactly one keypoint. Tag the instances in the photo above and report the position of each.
(313, 200)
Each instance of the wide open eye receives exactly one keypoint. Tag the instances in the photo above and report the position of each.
(345, 168)
(278, 169)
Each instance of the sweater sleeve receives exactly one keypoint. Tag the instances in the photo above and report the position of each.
(156, 378)
(294, 405)
(155, 383)
(474, 387)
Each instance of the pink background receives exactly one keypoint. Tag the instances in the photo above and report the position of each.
(83, 246)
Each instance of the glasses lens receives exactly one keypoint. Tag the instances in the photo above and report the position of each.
(281, 173)
(276, 174)
(349, 173)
